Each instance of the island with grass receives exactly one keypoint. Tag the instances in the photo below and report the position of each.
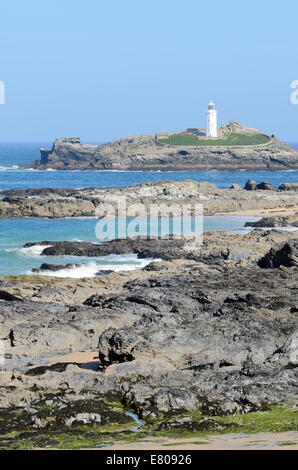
(236, 147)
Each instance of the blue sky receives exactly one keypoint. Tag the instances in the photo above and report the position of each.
(104, 69)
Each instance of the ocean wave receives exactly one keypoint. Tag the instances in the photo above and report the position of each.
(128, 266)
(9, 168)
(85, 270)
(34, 250)
(283, 229)
(91, 269)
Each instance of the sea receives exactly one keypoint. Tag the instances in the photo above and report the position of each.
(15, 232)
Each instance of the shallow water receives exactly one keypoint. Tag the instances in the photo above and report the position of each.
(136, 420)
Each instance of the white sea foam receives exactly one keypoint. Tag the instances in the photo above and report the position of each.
(85, 270)
(7, 168)
(138, 264)
(283, 229)
(84, 217)
(34, 250)
(91, 269)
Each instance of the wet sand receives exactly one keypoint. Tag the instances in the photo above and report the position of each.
(81, 357)
(261, 441)
(284, 212)
(87, 359)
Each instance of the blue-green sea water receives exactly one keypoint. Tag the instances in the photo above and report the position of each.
(14, 233)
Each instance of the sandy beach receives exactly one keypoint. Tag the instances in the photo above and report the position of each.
(285, 212)
(261, 441)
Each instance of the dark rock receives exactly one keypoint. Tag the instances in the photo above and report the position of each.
(287, 256)
(55, 267)
(250, 185)
(265, 186)
(288, 187)
(144, 248)
(4, 295)
(60, 416)
(274, 221)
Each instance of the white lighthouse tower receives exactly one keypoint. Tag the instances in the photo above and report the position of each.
(211, 128)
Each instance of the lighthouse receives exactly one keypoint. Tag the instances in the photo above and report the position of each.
(211, 128)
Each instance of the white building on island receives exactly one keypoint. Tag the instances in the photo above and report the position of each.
(211, 127)
(201, 133)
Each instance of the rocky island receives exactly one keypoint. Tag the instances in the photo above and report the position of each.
(237, 147)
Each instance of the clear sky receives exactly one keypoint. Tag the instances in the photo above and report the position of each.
(104, 69)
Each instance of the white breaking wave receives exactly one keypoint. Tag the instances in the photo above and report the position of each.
(139, 264)
(91, 269)
(34, 250)
(284, 229)
(7, 168)
(85, 270)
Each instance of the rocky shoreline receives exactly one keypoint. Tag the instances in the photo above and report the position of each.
(145, 153)
(92, 202)
(211, 330)
(189, 343)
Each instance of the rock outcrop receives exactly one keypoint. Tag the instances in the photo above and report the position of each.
(275, 221)
(211, 329)
(55, 267)
(285, 255)
(145, 153)
(252, 185)
(49, 202)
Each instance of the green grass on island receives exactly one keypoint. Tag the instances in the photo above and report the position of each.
(185, 139)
